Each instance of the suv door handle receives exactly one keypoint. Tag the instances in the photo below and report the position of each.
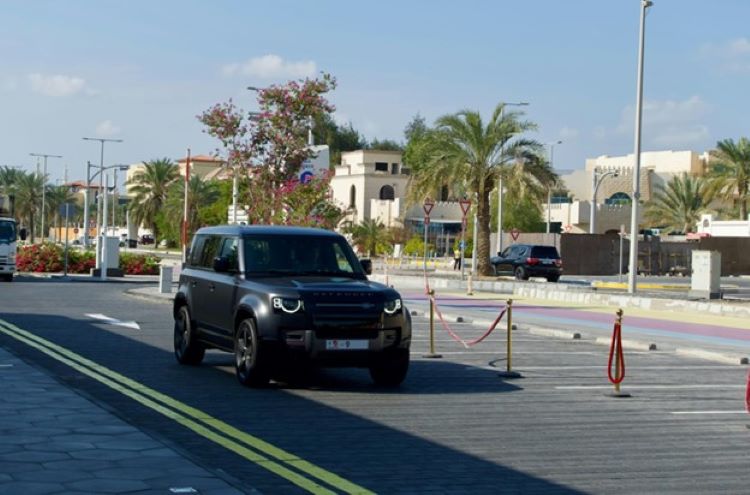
(193, 284)
(211, 287)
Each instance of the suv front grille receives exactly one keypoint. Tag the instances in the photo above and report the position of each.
(350, 319)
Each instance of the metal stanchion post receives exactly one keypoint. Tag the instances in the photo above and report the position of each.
(615, 351)
(432, 353)
(509, 373)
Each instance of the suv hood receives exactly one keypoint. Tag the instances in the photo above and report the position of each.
(313, 284)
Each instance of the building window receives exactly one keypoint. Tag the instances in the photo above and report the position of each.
(352, 197)
(619, 198)
(394, 168)
(444, 193)
(381, 166)
(386, 192)
(405, 171)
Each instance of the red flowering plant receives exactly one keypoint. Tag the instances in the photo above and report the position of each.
(139, 264)
(268, 148)
(49, 257)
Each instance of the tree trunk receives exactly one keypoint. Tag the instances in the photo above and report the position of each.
(482, 249)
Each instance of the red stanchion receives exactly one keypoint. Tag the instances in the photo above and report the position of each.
(747, 393)
(616, 354)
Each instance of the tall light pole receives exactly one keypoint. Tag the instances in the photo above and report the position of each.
(597, 181)
(633, 271)
(98, 202)
(500, 180)
(44, 184)
(549, 190)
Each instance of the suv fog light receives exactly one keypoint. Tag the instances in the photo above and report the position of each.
(286, 304)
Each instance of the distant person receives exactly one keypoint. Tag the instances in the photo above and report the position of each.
(456, 259)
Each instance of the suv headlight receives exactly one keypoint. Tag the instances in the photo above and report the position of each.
(287, 304)
(392, 306)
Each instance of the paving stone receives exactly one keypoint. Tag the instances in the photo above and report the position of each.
(109, 455)
(105, 429)
(30, 488)
(60, 446)
(19, 467)
(109, 485)
(135, 473)
(125, 444)
(21, 439)
(54, 475)
(78, 464)
(32, 456)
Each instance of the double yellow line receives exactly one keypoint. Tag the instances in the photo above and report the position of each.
(285, 464)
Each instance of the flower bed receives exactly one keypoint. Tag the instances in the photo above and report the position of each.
(49, 257)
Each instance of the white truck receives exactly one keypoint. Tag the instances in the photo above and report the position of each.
(8, 237)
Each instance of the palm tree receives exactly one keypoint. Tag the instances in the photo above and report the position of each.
(678, 205)
(370, 236)
(201, 194)
(28, 192)
(469, 155)
(57, 196)
(149, 189)
(730, 171)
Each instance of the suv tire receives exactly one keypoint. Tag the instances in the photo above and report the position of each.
(494, 269)
(520, 273)
(186, 348)
(553, 278)
(389, 370)
(249, 360)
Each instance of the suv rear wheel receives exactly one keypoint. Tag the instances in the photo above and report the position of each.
(186, 348)
(520, 273)
(389, 370)
(249, 360)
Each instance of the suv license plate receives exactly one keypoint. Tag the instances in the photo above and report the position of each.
(346, 345)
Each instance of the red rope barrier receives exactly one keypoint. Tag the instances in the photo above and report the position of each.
(616, 346)
(747, 393)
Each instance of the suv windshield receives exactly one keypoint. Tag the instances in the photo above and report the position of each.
(7, 231)
(544, 252)
(299, 255)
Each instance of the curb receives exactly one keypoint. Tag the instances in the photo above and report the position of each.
(155, 298)
(727, 358)
(550, 332)
(633, 345)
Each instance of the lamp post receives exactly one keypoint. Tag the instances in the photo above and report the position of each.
(597, 178)
(632, 272)
(102, 191)
(549, 190)
(500, 180)
(98, 203)
(44, 184)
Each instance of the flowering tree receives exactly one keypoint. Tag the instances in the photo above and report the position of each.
(270, 146)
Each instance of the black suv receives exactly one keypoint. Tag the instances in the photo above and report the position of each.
(527, 260)
(273, 294)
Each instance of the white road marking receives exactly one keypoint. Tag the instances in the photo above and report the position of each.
(709, 412)
(652, 387)
(6, 365)
(112, 321)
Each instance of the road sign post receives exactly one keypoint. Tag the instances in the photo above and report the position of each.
(428, 205)
(465, 205)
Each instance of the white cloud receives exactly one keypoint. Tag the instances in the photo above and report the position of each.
(271, 67)
(732, 56)
(57, 85)
(107, 128)
(669, 123)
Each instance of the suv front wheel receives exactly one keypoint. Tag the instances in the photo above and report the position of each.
(389, 369)
(249, 360)
(186, 349)
(520, 273)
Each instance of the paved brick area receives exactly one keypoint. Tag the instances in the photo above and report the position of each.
(55, 441)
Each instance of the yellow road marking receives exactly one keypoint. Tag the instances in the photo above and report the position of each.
(137, 391)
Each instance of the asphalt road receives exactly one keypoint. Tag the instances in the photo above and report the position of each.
(453, 427)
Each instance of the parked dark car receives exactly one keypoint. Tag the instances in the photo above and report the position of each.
(278, 295)
(528, 260)
(146, 239)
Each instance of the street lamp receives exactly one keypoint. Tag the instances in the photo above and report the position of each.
(102, 191)
(598, 177)
(98, 203)
(44, 183)
(632, 272)
(500, 180)
(549, 190)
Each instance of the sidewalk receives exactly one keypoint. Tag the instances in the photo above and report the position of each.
(53, 440)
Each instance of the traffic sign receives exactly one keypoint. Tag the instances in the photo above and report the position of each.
(75, 230)
(465, 205)
(514, 233)
(428, 206)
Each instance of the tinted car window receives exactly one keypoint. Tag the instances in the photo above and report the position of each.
(197, 250)
(229, 250)
(544, 252)
(210, 251)
(301, 255)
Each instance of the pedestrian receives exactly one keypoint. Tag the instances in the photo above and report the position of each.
(456, 259)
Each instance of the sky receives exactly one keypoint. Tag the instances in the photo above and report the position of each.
(141, 71)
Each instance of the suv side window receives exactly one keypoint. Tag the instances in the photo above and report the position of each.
(229, 249)
(210, 251)
(197, 250)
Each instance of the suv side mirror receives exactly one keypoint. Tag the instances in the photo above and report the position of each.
(366, 266)
(22, 234)
(221, 264)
